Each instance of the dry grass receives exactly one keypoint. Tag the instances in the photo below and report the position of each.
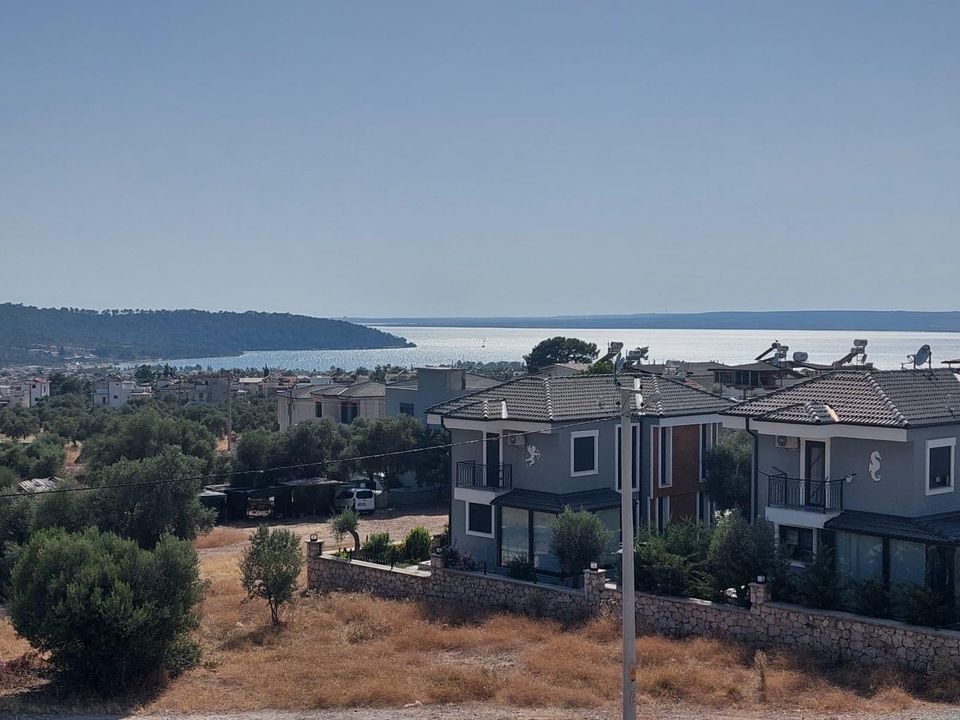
(221, 536)
(349, 650)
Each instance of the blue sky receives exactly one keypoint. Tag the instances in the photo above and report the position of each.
(451, 158)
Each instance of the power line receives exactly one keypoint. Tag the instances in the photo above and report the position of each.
(319, 463)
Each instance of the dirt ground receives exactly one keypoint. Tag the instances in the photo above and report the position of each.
(347, 656)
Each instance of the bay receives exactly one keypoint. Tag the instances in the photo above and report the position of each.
(447, 345)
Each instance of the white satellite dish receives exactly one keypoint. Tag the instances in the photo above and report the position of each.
(922, 356)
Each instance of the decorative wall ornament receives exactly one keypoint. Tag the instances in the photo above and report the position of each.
(533, 454)
(875, 459)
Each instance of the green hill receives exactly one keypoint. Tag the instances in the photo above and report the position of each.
(171, 334)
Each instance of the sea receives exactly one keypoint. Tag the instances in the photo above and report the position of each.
(447, 345)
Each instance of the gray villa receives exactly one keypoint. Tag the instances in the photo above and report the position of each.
(527, 448)
(863, 462)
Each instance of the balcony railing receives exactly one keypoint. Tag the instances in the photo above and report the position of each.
(812, 495)
(476, 475)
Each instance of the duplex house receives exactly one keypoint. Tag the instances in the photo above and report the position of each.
(863, 462)
(114, 392)
(525, 449)
(431, 386)
(28, 393)
(340, 403)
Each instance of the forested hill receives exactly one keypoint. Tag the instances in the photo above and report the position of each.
(171, 334)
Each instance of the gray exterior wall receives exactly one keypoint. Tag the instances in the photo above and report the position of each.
(901, 489)
(433, 386)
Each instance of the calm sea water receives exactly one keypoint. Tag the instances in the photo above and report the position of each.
(439, 346)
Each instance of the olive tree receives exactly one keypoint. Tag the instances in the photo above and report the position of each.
(579, 538)
(270, 566)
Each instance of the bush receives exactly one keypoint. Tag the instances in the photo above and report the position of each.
(521, 567)
(416, 545)
(918, 605)
(109, 613)
(674, 561)
(818, 585)
(377, 548)
(579, 538)
(270, 566)
(871, 598)
(739, 553)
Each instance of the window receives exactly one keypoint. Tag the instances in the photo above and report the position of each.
(364, 494)
(479, 519)
(940, 463)
(514, 534)
(797, 543)
(635, 457)
(543, 558)
(708, 438)
(859, 557)
(348, 412)
(583, 453)
(318, 409)
(666, 464)
(406, 409)
(908, 562)
(663, 513)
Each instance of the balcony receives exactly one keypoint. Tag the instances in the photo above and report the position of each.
(825, 496)
(471, 474)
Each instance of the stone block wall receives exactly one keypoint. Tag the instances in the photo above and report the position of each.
(837, 635)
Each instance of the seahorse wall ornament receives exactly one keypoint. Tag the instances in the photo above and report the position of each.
(875, 459)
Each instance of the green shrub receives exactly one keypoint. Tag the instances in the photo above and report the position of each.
(739, 553)
(521, 567)
(345, 523)
(270, 566)
(871, 598)
(818, 585)
(109, 613)
(579, 538)
(416, 545)
(673, 562)
(918, 605)
(377, 548)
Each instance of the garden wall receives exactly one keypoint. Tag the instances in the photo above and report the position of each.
(837, 635)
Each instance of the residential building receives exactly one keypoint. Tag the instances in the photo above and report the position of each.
(431, 386)
(525, 449)
(27, 393)
(212, 389)
(114, 392)
(340, 403)
(565, 369)
(862, 462)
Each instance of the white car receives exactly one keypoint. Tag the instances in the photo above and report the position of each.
(359, 499)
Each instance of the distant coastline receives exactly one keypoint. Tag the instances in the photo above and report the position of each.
(863, 320)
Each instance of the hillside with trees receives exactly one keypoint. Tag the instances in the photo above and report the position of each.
(54, 334)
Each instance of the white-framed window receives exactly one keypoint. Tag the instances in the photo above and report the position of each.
(635, 456)
(584, 453)
(663, 512)
(941, 463)
(479, 519)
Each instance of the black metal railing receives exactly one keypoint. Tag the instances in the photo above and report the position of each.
(477, 475)
(813, 495)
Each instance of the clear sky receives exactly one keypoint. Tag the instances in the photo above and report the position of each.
(453, 158)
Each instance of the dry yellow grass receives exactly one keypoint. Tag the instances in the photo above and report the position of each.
(221, 536)
(350, 650)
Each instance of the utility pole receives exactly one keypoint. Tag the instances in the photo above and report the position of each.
(229, 413)
(628, 599)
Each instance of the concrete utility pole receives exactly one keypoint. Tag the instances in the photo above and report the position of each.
(628, 599)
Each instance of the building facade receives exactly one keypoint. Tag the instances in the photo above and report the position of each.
(340, 403)
(862, 462)
(526, 449)
(431, 386)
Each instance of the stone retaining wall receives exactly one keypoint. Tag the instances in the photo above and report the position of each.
(837, 635)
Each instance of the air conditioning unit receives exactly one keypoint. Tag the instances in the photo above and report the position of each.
(516, 440)
(787, 443)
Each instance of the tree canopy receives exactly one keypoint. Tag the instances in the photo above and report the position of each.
(560, 350)
(727, 469)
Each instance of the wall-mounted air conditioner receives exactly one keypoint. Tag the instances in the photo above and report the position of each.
(516, 440)
(787, 442)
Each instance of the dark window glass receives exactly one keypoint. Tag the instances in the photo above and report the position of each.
(797, 543)
(480, 519)
(318, 409)
(940, 467)
(406, 409)
(348, 412)
(583, 454)
(664, 450)
(364, 494)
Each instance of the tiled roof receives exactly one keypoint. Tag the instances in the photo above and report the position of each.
(597, 499)
(886, 398)
(579, 397)
(943, 528)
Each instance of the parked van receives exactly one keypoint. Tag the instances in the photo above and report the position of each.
(359, 499)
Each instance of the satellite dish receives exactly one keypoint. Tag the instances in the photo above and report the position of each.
(800, 356)
(922, 356)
